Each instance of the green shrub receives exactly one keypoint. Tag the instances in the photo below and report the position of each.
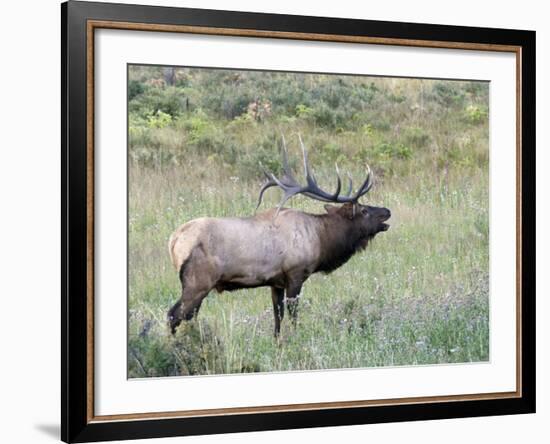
(201, 131)
(402, 151)
(159, 120)
(325, 116)
(232, 107)
(476, 114)
(396, 98)
(416, 137)
(367, 130)
(168, 100)
(383, 154)
(448, 93)
(135, 88)
(393, 150)
(303, 111)
(264, 157)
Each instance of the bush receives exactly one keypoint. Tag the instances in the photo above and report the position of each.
(266, 156)
(393, 150)
(196, 125)
(416, 137)
(396, 98)
(303, 111)
(448, 93)
(476, 114)
(383, 152)
(135, 88)
(167, 100)
(159, 120)
(327, 117)
(231, 107)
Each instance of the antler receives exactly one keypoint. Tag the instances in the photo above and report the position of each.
(291, 186)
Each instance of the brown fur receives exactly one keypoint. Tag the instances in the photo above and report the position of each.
(280, 251)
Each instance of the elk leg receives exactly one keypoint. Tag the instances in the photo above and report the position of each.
(191, 301)
(173, 316)
(196, 282)
(292, 297)
(186, 308)
(278, 297)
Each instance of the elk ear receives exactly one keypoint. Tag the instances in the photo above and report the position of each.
(347, 210)
(331, 209)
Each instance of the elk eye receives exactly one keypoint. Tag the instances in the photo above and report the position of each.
(364, 211)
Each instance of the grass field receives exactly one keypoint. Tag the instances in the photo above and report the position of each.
(419, 294)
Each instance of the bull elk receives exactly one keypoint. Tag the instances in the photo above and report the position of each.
(279, 248)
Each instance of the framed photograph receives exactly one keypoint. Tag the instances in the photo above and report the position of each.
(275, 221)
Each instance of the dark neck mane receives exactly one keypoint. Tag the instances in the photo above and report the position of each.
(340, 240)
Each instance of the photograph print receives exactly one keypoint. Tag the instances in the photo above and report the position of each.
(290, 221)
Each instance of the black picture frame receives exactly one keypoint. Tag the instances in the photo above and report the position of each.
(76, 423)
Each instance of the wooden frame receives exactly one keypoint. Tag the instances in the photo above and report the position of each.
(79, 21)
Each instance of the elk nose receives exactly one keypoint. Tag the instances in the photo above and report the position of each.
(386, 214)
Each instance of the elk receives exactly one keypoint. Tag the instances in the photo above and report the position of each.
(279, 248)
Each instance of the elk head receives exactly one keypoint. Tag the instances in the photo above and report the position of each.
(370, 220)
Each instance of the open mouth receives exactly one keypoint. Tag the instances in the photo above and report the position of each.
(383, 219)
